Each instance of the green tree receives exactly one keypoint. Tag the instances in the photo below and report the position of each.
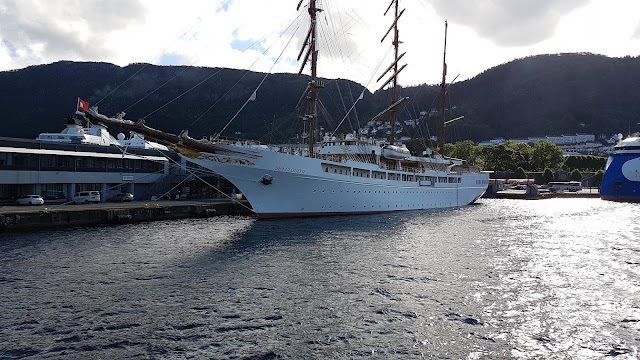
(546, 154)
(498, 158)
(520, 173)
(599, 162)
(576, 175)
(599, 176)
(465, 150)
(583, 162)
(521, 154)
(449, 150)
(548, 175)
(571, 162)
(416, 146)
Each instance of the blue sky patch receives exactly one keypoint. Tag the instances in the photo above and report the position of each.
(224, 6)
(172, 59)
(242, 45)
(12, 49)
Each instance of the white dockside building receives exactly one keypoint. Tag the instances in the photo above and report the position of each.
(57, 165)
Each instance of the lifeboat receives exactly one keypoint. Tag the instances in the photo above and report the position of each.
(395, 152)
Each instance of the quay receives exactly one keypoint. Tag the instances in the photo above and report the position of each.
(60, 215)
(539, 195)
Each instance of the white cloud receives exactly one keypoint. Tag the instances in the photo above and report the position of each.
(482, 33)
(509, 22)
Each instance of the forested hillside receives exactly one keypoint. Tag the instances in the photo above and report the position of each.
(553, 94)
(535, 96)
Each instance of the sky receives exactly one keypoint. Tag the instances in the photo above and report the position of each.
(266, 36)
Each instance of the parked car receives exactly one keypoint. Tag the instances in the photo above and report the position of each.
(30, 200)
(84, 197)
(122, 197)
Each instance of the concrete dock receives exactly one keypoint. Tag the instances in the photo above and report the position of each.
(56, 215)
(523, 195)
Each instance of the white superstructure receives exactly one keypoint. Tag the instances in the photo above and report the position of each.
(97, 134)
(285, 183)
(75, 133)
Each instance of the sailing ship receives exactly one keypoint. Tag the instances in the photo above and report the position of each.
(621, 180)
(339, 175)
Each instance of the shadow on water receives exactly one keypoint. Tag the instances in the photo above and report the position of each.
(396, 285)
(300, 231)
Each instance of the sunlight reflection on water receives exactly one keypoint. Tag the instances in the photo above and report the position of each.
(576, 290)
(555, 278)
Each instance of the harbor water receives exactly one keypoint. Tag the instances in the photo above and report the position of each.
(503, 279)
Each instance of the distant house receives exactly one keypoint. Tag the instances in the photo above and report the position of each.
(558, 140)
(578, 144)
(583, 138)
(536, 140)
(494, 141)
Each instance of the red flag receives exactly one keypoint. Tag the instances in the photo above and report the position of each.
(83, 105)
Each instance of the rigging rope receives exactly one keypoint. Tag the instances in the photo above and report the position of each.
(165, 83)
(196, 176)
(296, 19)
(147, 64)
(361, 94)
(184, 93)
(253, 95)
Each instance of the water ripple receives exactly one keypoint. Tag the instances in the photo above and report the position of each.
(551, 279)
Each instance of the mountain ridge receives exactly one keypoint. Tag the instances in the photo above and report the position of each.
(532, 96)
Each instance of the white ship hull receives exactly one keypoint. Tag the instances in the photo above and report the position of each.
(303, 186)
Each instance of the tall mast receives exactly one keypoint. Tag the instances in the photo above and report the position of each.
(443, 87)
(394, 92)
(395, 70)
(314, 85)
